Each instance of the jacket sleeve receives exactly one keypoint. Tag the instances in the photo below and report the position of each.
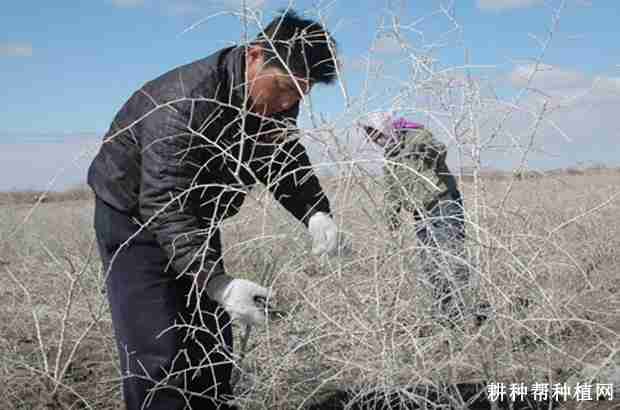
(170, 197)
(288, 173)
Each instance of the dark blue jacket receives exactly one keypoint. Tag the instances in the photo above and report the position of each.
(182, 153)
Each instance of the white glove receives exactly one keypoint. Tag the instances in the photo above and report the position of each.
(237, 297)
(325, 236)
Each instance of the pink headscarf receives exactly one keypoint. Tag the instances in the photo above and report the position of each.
(385, 123)
(403, 123)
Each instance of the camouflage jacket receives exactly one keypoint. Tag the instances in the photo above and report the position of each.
(416, 172)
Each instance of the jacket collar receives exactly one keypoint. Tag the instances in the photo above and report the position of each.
(233, 66)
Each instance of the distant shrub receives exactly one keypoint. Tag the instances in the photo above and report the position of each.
(32, 196)
(574, 171)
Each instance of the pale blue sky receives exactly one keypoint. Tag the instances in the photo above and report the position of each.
(68, 66)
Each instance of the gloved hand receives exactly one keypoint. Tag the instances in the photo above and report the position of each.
(326, 240)
(238, 297)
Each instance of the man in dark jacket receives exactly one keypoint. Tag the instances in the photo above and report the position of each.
(178, 159)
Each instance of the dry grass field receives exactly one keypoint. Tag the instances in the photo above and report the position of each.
(545, 252)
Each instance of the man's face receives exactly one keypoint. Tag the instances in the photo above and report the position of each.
(272, 89)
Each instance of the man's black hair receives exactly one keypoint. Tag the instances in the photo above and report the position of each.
(303, 45)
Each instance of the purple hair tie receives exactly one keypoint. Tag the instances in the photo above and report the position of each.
(403, 123)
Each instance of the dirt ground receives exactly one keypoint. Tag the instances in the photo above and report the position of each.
(552, 242)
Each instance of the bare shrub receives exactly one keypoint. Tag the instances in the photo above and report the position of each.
(543, 250)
